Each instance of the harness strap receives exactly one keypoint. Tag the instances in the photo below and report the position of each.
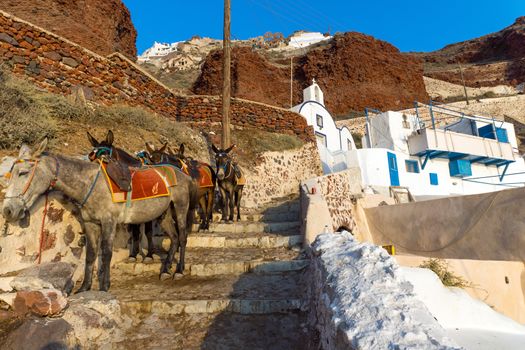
(42, 231)
(92, 187)
(28, 183)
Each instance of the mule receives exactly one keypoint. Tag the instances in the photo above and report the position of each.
(35, 173)
(230, 181)
(105, 151)
(202, 173)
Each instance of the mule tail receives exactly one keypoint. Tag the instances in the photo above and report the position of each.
(194, 203)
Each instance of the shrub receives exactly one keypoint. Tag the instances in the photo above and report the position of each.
(442, 270)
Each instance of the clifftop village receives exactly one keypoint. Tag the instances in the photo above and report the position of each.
(317, 190)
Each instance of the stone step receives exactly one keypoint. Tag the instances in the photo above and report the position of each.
(228, 240)
(219, 331)
(265, 216)
(250, 286)
(240, 306)
(249, 226)
(224, 268)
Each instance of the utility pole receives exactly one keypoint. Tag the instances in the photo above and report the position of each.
(226, 141)
(463, 80)
(291, 81)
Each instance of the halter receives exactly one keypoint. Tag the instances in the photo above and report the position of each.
(51, 186)
(226, 167)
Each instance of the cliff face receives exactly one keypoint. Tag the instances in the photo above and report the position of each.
(354, 70)
(493, 59)
(103, 26)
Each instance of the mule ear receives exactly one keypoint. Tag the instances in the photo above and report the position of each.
(215, 149)
(163, 148)
(181, 149)
(150, 147)
(109, 138)
(25, 152)
(41, 148)
(92, 140)
(230, 148)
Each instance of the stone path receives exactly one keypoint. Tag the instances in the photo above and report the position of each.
(243, 290)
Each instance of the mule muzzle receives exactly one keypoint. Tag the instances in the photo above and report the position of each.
(13, 212)
(220, 174)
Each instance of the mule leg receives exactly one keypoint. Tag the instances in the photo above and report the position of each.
(231, 203)
(224, 204)
(135, 242)
(92, 234)
(238, 196)
(183, 223)
(106, 249)
(148, 228)
(169, 228)
(204, 213)
(210, 203)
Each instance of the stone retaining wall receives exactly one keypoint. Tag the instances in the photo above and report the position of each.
(63, 67)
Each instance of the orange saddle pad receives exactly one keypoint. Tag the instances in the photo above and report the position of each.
(146, 183)
(205, 178)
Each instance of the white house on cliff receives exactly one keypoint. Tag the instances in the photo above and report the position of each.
(456, 154)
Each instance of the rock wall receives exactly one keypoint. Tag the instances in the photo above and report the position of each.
(339, 191)
(279, 174)
(359, 300)
(103, 26)
(20, 243)
(62, 67)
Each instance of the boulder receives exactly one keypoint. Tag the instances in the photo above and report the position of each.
(58, 274)
(5, 284)
(44, 302)
(7, 298)
(29, 283)
(96, 318)
(45, 333)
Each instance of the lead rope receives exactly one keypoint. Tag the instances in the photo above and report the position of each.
(44, 214)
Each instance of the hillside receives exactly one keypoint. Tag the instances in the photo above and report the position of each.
(354, 70)
(490, 60)
(103, 26)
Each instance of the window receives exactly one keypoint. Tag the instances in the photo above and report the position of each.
(319, 120)
(321, 138)
(406, 124)
(412, 166)
(434, 179)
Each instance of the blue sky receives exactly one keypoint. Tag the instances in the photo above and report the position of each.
(411, 25)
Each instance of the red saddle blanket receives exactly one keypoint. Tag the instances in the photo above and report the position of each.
(201, 173)
(146, 183)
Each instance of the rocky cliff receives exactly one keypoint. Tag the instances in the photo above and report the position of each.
(490, 60)
(103, 26)
(354, 70)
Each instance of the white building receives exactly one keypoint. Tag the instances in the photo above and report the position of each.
(470, 155)
(331, 140)
(304, 39)
(156, 51)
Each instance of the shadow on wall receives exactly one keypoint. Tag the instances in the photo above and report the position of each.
(485, 226)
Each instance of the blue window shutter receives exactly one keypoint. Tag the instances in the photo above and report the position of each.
(434, 179)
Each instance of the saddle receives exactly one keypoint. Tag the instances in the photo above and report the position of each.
(239, 176)
(144, 183)
(200, 172)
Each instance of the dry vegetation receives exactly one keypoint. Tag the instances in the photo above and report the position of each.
(442, 270)
(28, 114)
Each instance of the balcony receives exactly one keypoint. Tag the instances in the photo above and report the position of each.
(438, 143)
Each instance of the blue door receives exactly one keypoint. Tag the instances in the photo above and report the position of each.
(392, 168)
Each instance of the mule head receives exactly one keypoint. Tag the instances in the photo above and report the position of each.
(222, 160)
(101, 150)
(30, 177)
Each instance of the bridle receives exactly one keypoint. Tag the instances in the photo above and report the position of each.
(226, 167)
(51, 186)
(97, 152)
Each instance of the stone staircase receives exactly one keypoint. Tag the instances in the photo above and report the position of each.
(243, 289)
